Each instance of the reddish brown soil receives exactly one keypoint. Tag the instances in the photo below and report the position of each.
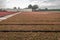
(40, 18)
(32, 18)
(5, 13)
(29, 35)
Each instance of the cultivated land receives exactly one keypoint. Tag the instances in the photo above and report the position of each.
(32, 21)
(34, 18)
(29, 35)
(5, 13)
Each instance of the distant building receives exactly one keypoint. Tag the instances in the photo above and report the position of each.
(26, 10)
(22, 10)
(13, 10)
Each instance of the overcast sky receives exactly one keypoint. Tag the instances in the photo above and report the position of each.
(25, 3)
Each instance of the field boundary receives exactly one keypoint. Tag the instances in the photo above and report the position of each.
(29, 31)
(29, 24)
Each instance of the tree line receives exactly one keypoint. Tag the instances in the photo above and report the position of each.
(34, 7)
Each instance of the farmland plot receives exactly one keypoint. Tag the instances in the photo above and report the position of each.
(34, 18)
(31, 21)
(5, 13)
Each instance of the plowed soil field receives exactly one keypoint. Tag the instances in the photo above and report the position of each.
(32, 21)
(5, 13)
(48, 20)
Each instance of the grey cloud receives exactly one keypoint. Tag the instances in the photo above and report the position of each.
(2, 3)
(54, 3)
